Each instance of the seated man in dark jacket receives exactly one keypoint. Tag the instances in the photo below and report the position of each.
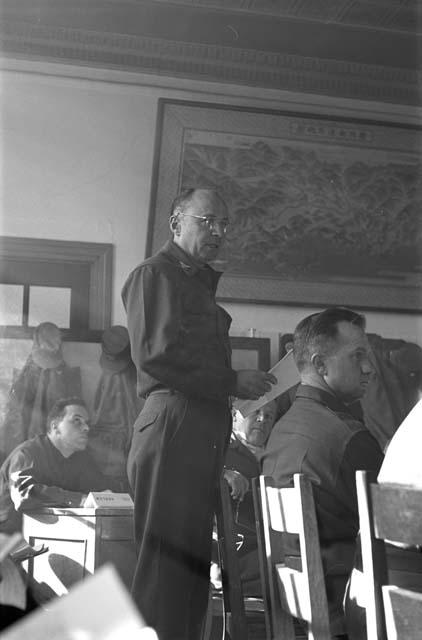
(242, 464)
(323, 436)
(52, 469)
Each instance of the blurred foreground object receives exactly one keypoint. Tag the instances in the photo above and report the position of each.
(99, 608)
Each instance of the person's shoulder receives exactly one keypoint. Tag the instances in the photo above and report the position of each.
(160, 262)
(315, 420)
(36, 443)
(26, 450)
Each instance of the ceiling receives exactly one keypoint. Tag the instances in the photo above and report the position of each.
(367, 49)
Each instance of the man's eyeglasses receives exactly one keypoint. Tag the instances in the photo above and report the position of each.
(212, 224)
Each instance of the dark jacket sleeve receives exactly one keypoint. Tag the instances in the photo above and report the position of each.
(158, 344)
(362, 453)
(28, 493)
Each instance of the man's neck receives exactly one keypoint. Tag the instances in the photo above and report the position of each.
(66, 453)
(197, 261)
(319, 383)
(315, 381)
(253, 448)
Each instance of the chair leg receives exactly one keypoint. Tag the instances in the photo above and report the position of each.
(207, 626)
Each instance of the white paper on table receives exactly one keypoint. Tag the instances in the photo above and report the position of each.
(287, 376)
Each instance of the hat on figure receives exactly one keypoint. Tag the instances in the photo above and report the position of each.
(115, 349)
(47, 346)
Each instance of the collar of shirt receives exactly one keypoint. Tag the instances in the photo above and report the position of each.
(329, 400)
(191, 266)
(239, 437)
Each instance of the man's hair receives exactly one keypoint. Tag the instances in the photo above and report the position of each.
(58, 409)
(181, 200)
(185, 197)
(315, 332)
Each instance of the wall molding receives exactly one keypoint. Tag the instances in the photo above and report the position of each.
(211, 63)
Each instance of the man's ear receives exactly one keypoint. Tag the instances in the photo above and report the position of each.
(174, 223)
(318, 363)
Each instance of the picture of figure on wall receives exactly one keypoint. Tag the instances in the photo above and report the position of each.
(116, 407)
(44, 378)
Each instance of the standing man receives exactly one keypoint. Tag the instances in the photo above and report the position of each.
(323, 437)
(180, 345)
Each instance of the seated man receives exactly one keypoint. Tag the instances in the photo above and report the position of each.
(52, 469)
(249, 435)
(322, 436)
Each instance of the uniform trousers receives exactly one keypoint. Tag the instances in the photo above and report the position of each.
(174, 465)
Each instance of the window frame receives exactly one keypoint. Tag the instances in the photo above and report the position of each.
(98, 257)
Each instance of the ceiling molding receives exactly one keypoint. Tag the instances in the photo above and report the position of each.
(211, 62)
(393, 15)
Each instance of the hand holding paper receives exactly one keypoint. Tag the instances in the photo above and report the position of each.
(251, 384)
(286, 374)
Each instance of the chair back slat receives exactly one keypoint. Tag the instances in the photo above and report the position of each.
(296, 588)
(232, 586)
(388, 513)
(403, 613)
(373, 559)
(284, 515)
(263, 566)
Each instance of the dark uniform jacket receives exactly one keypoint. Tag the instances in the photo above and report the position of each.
(181, 349)
(36, 474)
(321, 438)
(178, 333)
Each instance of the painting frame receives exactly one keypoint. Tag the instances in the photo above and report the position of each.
(285, 344)
(177, 120)
(251, 352)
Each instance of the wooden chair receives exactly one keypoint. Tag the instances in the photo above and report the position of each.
(388, 512)
(294, 586)
(239, 612)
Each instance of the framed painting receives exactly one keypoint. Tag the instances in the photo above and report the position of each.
(285, 344)
(324, 210)
(250, 353)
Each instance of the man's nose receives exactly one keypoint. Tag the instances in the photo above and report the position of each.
(217, 230)
(366, 366)
(85, 427)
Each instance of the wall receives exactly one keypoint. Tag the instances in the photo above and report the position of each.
(77, 162)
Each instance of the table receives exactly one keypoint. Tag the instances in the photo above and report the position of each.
(79, 541)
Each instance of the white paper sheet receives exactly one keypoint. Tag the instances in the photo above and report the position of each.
(287, 376)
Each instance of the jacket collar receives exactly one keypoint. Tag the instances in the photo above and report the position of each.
(190, 266)
(329, 400)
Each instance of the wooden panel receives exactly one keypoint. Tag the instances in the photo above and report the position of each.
(62, 566)
(79, 544)
(117, 527)
(403, 613)
(121, 554)
(388, 502)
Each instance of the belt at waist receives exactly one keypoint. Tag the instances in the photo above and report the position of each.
(174, 392)
(171, 392)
